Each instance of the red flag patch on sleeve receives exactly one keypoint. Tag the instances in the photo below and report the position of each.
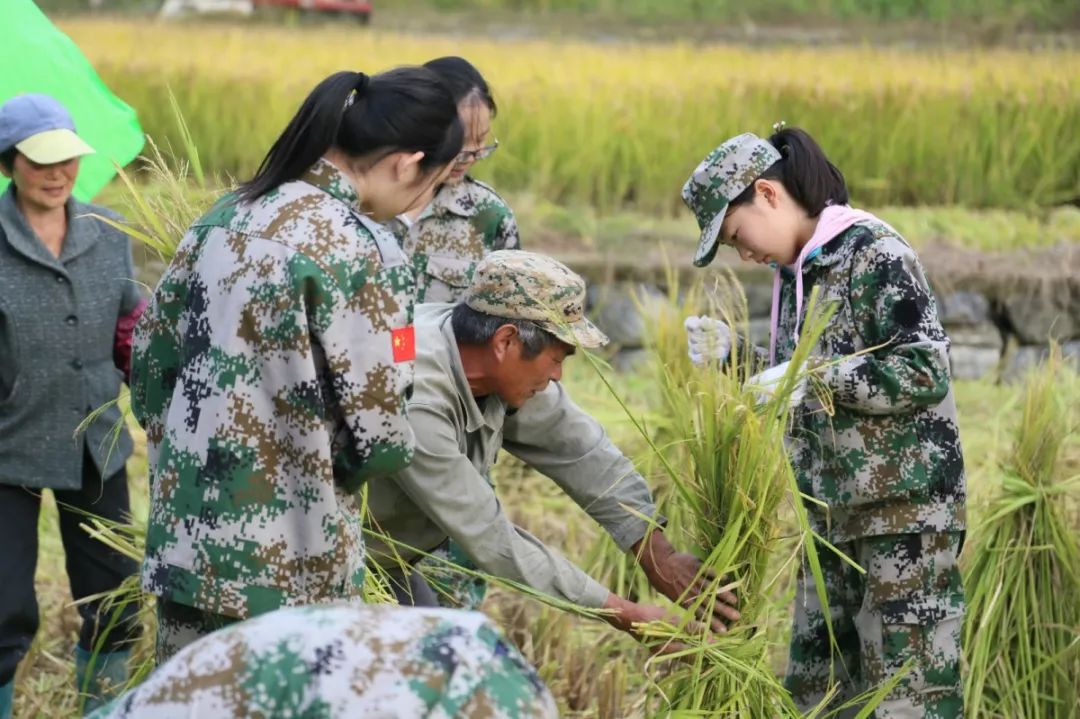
(404, 343)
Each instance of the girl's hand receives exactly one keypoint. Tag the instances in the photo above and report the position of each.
(769, 381)
(709, 340)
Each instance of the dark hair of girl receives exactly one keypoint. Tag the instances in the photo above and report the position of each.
(463, 79)
(408, 109)
(804, 171)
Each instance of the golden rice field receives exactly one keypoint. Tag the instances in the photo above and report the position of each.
(621, 125)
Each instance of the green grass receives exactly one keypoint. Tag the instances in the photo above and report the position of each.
(575, 230)
(582, 230)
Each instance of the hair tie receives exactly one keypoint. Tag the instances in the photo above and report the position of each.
(362, 81)
(778, 126)
(359, 87)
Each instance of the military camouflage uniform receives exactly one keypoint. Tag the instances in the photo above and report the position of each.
(443, 492)
(888, 463)
(269, 375)
(374, 662)
(463, 223)
(454, 588)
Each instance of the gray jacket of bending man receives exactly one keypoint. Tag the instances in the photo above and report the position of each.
(444, 494)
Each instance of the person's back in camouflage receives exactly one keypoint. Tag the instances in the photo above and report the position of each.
(270, 369)
(252, 377)
(375, 662)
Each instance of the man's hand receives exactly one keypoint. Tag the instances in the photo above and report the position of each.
(678, 576)
(707, 340)
(626, 614)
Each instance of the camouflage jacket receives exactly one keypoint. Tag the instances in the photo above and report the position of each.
(444, 493)
(268, 376)
(462, 224)
(889, 460)
(375, 662)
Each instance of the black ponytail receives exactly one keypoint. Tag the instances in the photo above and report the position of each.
(805, 172)
(408, 109)
(464, 80)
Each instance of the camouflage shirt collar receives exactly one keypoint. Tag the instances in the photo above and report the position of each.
(456, 199)
(330, 179)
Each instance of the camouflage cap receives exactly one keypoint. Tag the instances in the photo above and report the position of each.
(720, 178)
(521, 285)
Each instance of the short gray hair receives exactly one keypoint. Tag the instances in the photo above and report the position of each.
(472, 327)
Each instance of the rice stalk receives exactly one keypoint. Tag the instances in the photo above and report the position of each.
(1022, 578)
(727, 467)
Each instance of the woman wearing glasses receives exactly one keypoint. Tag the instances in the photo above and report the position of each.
(446, 234)
(462, 220)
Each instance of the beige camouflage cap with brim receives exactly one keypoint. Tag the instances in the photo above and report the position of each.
(529, 286)
(721, 177)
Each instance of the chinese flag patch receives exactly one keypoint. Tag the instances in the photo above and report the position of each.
(404, 343)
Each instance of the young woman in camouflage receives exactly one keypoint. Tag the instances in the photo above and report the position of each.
(446, 235)
(270, 368)
(888, 464)
(461, 220)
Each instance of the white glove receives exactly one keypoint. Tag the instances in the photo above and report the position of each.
(709, 340)
(768, 382)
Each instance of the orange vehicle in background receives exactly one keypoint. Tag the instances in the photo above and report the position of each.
(357, 9)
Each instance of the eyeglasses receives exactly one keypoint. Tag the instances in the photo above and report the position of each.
(482, 153)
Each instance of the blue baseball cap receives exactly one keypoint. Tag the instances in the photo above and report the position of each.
(41, 128)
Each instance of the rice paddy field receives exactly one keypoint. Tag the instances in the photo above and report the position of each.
(978, 148)
(620, 125)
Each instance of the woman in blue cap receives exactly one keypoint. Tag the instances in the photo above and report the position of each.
(68, 305)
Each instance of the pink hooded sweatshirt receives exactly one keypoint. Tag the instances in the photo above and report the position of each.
(832, 222)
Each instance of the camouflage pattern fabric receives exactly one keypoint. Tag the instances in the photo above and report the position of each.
(721, 177)
(463, 223)
(530, 286)
(454, 589)
(907, 608)
(269, 373)
(376, 662)
(179, 625)
(889, 460)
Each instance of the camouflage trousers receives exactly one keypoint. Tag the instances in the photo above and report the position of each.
(453, 589)
(907, 610)
(180, 625)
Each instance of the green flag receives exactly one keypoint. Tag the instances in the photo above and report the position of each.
(36, 57)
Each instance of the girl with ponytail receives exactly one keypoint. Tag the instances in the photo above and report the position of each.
(885, 471)
(270, 368)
